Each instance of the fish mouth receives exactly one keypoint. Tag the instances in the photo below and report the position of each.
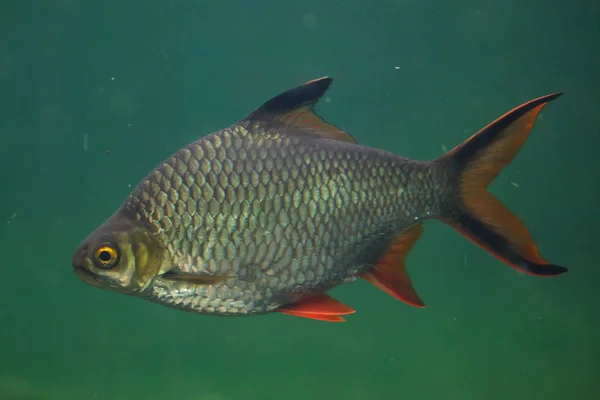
(82, 272)
(87, 277)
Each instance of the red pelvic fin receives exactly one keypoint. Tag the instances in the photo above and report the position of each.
(320, 307)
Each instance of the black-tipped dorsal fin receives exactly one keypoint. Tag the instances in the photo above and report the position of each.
(295, 107)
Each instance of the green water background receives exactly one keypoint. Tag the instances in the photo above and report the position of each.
(140, 79)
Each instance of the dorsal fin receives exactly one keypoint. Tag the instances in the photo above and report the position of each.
(295, 107)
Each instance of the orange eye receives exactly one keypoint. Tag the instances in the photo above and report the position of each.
(106, 257)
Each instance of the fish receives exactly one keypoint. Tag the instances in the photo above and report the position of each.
(270, 213)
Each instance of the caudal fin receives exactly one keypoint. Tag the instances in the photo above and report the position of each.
(480, 216)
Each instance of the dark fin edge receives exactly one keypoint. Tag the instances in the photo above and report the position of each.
(295, 108)
(480, 216)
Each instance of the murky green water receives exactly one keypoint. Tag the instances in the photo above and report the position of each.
(95, 94)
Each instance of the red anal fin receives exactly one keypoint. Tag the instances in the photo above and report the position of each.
(390, 274)
(319, 307)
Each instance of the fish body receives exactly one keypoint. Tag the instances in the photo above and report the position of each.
(270, 213)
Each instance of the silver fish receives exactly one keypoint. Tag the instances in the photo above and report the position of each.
(268, 214)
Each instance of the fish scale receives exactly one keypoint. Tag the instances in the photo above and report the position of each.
(226, 218)
(271, 212)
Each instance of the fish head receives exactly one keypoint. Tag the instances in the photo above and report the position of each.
(121, 255)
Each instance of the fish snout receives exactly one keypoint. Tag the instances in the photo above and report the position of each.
(78, 260)
(82, 266)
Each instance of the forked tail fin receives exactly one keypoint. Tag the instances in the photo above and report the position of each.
(480, 216)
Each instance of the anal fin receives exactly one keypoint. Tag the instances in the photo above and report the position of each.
(390, 274)
(319, 307)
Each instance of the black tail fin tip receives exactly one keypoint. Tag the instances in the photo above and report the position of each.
(500, 247)
(480, 216)
(482, 139)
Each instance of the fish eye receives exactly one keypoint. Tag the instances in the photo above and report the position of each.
(106, 257)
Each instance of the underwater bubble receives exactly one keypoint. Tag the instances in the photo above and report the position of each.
(309, 21)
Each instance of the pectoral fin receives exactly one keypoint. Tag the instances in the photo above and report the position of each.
(176, 274)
